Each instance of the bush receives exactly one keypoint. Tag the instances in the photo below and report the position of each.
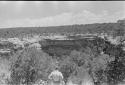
(30, 65)
(67, 67)
(4, 71)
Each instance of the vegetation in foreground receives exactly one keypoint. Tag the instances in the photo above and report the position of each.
(30, 64)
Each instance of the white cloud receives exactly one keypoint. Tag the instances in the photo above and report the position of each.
(84, 17)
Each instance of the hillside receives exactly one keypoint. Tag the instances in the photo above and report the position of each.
(87, 28)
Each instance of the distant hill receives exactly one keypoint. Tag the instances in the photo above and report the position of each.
(121, 21)
(91, 28)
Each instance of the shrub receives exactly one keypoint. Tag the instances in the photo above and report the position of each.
(30, 65)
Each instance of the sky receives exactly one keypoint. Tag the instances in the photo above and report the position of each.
(56, 13)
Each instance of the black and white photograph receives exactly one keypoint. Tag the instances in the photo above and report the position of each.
(62, 42)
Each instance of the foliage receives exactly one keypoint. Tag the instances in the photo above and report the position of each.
(80, 76)
(77, 57)
(29, 65)
(67, 67)
(4, 71)
(115, 72)
(94, 64)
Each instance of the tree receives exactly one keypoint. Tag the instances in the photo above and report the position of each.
(81, 77)
(115, 72)
(77, 57)
(120, 30)
(67, 67)
(98, 66)
(30, 65)
(4, 72)
(94, 64)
